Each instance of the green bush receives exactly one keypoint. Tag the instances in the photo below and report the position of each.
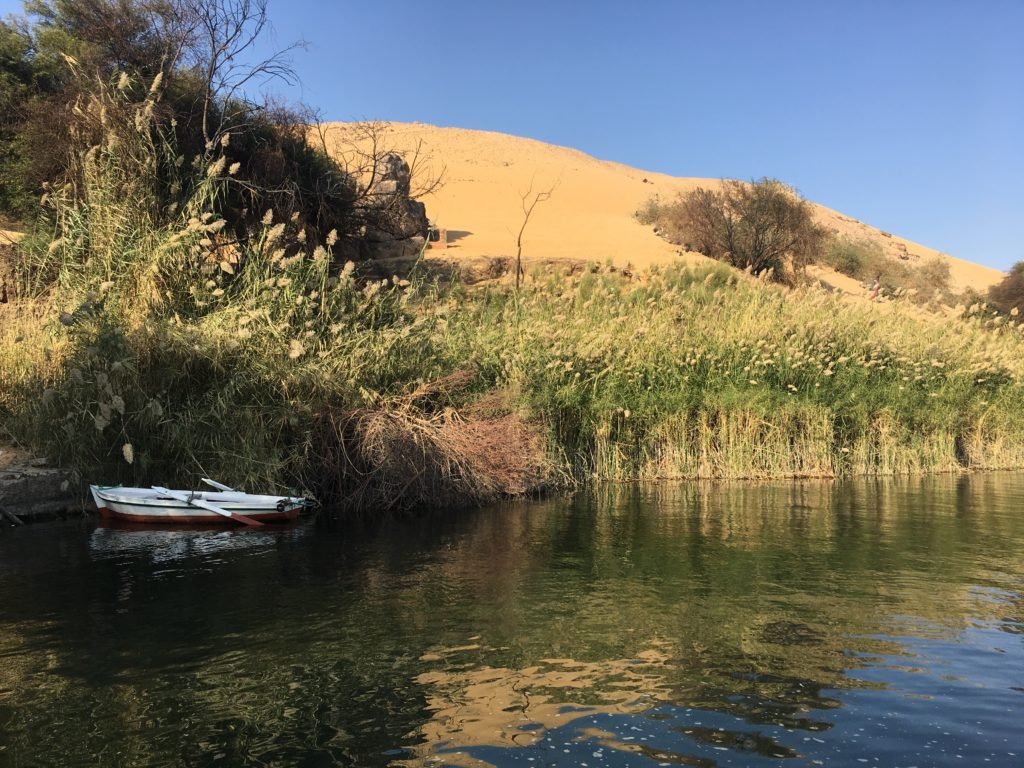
(649, 212)
(854, 258)
(864, 260)
(1008, 294)
(64, 52)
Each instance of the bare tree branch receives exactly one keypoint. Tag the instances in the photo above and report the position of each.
(224, 32)
(528, 206)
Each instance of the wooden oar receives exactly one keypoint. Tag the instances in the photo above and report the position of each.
(207, 505)
(218, 486)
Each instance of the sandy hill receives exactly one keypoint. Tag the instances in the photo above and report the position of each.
(590, 215)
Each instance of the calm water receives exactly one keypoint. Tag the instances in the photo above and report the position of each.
(853, 624)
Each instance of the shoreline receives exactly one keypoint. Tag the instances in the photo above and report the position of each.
(33, 491)
(39, 494)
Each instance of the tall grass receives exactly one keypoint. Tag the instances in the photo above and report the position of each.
(708, 373)
(153, 342)
(162, 344)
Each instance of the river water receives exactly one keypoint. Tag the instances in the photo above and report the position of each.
(862, 623)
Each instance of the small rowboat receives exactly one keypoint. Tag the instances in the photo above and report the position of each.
(160, 505)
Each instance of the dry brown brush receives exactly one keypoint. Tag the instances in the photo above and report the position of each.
(763, 226)
(417, 451)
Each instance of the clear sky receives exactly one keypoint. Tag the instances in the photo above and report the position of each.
(906, 114)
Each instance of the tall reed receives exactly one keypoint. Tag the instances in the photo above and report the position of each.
(154, 342)
(709, 373)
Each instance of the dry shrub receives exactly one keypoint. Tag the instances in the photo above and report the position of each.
(417, 451)
(763, 226)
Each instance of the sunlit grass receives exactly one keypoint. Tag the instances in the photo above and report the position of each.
(153, 342)
(708, 373)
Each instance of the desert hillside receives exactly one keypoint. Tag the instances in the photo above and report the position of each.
(590, 213)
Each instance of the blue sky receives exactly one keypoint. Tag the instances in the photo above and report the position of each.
(906, 114)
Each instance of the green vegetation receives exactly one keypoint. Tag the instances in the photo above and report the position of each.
(69, 69)
(47, 58)
(761, 226)
(925, 284)
(709, 373)
(1008, 295)
(181, 313)
(166, 342)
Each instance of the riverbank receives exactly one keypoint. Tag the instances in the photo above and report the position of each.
(399, 394)
(153, 342)
(30, 490)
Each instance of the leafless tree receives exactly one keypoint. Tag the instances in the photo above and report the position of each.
(362, 150)
(223, 36)
(388, 177)
(530, 200)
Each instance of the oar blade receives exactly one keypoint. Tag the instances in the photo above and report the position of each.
(207, 506)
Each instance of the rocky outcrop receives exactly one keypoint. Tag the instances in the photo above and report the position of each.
(396, 224)
(30, 490)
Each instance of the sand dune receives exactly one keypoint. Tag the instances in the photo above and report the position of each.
(590, 213)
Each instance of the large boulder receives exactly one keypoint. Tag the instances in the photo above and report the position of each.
(396, 224)
(29, 489)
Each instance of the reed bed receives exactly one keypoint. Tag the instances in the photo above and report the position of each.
(705, 373)
(151, 341)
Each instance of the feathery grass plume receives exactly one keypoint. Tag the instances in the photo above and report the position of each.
(236, 357)
(844, 361)
(216, 168)
(275, 233)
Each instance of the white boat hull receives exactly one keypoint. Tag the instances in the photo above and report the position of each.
(145, 505)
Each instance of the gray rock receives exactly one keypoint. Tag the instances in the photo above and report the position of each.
(395, 222)
(30, 490)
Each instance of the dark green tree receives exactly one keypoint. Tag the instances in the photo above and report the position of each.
(1008, 294)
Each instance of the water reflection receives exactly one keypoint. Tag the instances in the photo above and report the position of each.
(697, 625)
(168, 544)
(594, 709)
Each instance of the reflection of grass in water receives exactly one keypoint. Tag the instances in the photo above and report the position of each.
(561, 603)
(766, 596)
